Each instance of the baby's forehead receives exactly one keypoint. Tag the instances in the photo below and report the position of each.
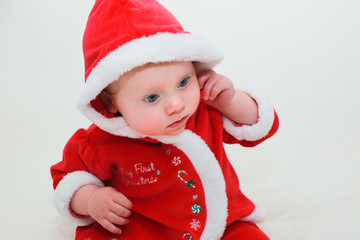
(115, 86)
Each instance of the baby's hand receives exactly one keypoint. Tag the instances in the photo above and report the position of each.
(218, 90)
(109, 208)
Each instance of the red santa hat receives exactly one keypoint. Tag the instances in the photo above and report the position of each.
(124, 34)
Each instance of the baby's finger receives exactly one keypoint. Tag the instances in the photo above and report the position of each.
(204, 77)
(216, 89)
(120, 210)
(120, 199)
(202, 80)
(208, 88)
(110, 226)
(118, 220)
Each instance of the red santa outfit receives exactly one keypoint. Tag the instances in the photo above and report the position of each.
(181, 187)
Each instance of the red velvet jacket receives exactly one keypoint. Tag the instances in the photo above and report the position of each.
(181, 187)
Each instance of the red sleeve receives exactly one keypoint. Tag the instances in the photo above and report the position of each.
(78, 155)
(80, 166)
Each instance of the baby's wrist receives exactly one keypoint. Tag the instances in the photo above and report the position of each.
(242, 109)
(81, 199)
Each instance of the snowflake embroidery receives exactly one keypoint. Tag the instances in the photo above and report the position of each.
(195, 224)
(176, 161)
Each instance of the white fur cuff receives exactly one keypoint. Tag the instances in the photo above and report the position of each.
(266, 117)
(257, 216)
(67, 188)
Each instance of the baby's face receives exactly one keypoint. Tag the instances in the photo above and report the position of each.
(157, 99)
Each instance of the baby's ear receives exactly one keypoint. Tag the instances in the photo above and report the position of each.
(107, 100)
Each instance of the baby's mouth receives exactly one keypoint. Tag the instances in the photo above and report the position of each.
(178, 123)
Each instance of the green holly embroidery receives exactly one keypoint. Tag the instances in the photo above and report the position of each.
(115, 167)
(190, 184)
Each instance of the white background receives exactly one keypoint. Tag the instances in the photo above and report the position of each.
(304, 54)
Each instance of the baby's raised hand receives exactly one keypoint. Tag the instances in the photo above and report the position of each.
(218, 90)
(109, 208)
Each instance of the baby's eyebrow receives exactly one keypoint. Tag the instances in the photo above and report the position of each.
(186, 75)
(141, 94)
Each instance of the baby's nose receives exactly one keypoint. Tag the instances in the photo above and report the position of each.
(175, 104)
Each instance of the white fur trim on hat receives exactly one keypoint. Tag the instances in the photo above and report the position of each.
(161, 47)
(266, 117)
(67, 188)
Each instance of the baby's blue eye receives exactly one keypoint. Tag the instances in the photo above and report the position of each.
(151, 98)
(184, 82)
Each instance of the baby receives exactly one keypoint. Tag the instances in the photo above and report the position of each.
(153, 166)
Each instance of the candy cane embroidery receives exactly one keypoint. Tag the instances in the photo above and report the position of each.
(189, 183)
(187, 235)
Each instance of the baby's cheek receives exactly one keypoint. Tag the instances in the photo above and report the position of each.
(150, 126)
(152, 130)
